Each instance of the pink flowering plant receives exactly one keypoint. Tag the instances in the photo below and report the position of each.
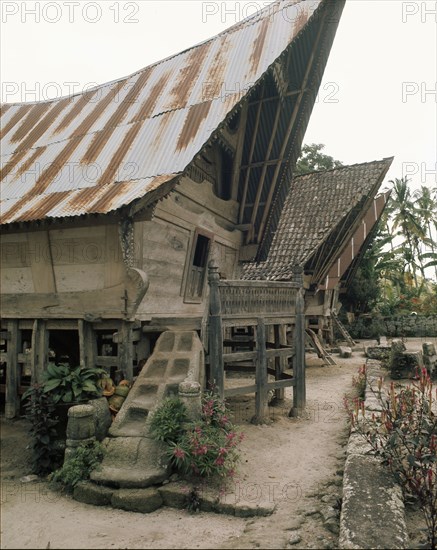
(207, 448)
(404, 435)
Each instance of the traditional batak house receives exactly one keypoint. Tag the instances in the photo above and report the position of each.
(325, 226)
(114, 200)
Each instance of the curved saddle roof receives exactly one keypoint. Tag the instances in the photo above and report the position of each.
(98, 151)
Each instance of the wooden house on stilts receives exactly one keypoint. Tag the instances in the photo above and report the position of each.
(326, 224)
(114, 201)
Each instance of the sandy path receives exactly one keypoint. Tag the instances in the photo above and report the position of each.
(293, 462)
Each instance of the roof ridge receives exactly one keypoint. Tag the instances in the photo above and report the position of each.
(385, 160)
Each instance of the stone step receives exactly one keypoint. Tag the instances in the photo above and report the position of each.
(173, 495)
(132, 462)
(133, 458)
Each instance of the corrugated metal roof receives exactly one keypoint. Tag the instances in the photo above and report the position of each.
(315, 205)
(97, 151)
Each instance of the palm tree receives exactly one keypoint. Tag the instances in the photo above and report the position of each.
(426, 204)
(407, 221)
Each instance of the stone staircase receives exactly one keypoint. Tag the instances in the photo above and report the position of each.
(133, 458)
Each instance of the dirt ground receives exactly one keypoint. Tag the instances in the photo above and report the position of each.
(297, 463)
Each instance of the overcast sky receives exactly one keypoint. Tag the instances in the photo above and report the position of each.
(378, 97)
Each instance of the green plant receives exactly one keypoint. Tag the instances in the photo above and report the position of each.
(65, 384)
(78, 467)
(207, 448)
(40, 411)
(404, 436)
(359, 381)
(168, 420)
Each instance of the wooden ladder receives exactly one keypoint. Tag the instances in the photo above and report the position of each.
(317, 345)
(343, 330)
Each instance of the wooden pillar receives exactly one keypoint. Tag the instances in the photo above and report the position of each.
(40, 348)
(12, 405)
(126, 350)
(279, 362)
(299, 390)
(215, 331)
(87, 344)
(261, 397)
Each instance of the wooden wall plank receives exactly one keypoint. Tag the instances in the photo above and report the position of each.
(12, 370)
(43, 275)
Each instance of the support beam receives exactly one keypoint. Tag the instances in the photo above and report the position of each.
(251, 151)
(215, 330)
(87, 344)
(279, 361)
(261, 397)
(40, 349)
(251, 234)
(275, 97)
(239, 151)
(290, 128)
(299, 390)
(12, 405)
(125, 350)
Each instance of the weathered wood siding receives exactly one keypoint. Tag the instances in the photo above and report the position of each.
(79, 271)
(62, 272)
(167, 242)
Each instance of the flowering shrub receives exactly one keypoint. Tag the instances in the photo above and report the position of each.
(168, 420)
(359, 381)
(404, 436)
(208, 447)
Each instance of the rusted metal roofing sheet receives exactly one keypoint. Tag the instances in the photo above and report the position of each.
(315, 205)
(100, 150)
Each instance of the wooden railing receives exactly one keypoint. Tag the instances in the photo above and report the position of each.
(258, 304)
(254, 298)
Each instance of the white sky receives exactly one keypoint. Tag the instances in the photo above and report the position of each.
(378, 97)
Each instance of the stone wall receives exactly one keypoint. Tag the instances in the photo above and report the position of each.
(419, 326)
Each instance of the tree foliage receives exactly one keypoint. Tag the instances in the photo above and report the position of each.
(313, 160)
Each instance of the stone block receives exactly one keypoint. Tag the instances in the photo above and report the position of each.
(165, 342)
(132, 462)
(90, 493)
(372, 514)
(377, 352)
(190, 395)
(102, 417)
(144, 501)
(80, 422)
(185, 342)
(345, 351)
(428, 349)
(406, 365)
(174, 495)
(397, 346)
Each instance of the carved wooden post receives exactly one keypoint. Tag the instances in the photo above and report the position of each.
(125, 350)
(299, 390)
(215, 330)
(261, 398)
(279, 363)
(87, 344)
(12, 370)
(40, 349)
